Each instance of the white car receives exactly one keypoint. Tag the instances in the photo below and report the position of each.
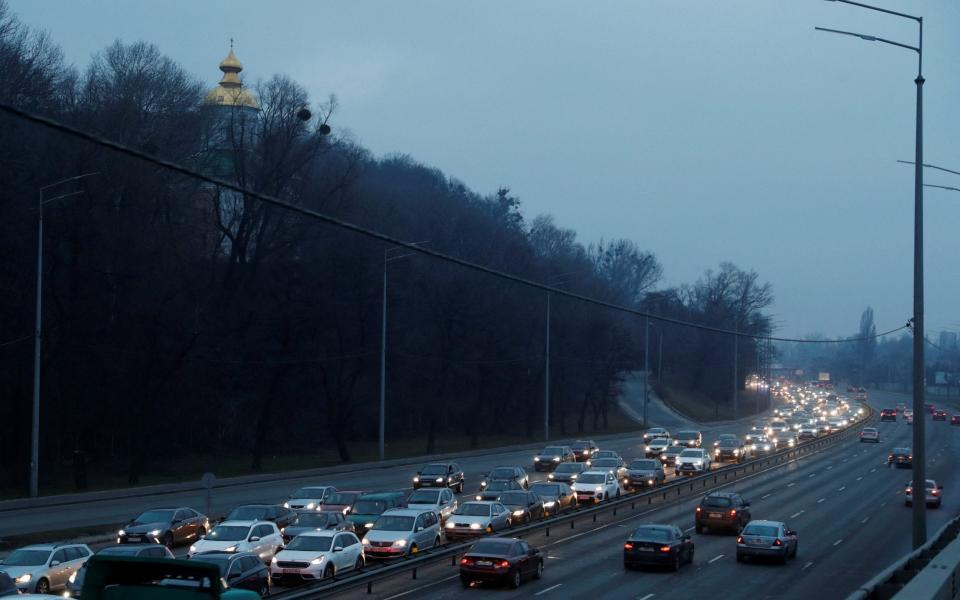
(870, 434)
(315, 555)
(933, 496)
(656, 446)
(260, 537)
(692, 461)
(309, 498)
(596, 486)
(439, 500)
(778, 426)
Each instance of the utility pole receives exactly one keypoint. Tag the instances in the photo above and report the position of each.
(546, 379)
(736, 349)
(383, 362)
(646, 367)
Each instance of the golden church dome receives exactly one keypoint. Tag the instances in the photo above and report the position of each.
(230, 91)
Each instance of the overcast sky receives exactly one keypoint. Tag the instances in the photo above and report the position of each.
(705, 130)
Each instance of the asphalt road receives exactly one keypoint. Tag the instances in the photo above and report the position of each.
(845, 503)
(114, 512)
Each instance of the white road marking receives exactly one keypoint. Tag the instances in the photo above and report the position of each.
(873, 470)
(838, 542)
(811, 474)
(715, 559)
(552, 587)
(791, 484)
(765, 496)
(829, 467)
(795, 515)
(865, 519)
(807, 566)
(860, 478)
(820, 500)
(841, 488)
(422, 587)
(689, 529)
(882, 504)
(647, 597)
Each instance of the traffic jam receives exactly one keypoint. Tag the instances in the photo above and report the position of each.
(319, 531)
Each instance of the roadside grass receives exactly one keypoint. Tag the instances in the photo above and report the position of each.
(698, 406)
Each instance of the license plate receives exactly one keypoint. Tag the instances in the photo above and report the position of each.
(484, 563)
(645, 549)
(716, 515)
(134, 538)
(291, 572)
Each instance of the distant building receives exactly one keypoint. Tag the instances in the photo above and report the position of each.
(948, 340)
(234, 113)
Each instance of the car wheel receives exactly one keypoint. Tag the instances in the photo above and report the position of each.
(328, 573)
(359, 564)
(676, 562)
(168, 540)
(43, 586)
(414, 549)
(690, 557)
(515, 579)
(264, 590)
(618, 492)
(538, 574)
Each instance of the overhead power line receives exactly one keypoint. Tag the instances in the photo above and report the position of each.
(370, 233)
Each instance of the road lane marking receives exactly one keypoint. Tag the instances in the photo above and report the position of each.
(873, 470)
(865, 519)
(860, 478)
(422, 587)
(715, 559)
(807, 566)
(829, 467)
(882, 504)
(765, 496)
(795, 515)
(838, 542)
(820, 500)
(791, 484)
(842, 487)
(647, 597)
(552, 587)
(689, 529)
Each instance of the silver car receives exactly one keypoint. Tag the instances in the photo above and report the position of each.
(768, 539)
(473, 519)
(656, 446)
(402, 532)
(44, 568)
(439, 500)
(309, 498)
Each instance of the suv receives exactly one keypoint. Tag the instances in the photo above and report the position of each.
(260, 537)
(370, 506)
(551, 456)
(402, 532)
(311, 497)
(730, 449)
(596, 486)
(900, 457)
(514, 473)
(692, 461)
(722, 510)
(440, 475)
(688, 438)
(132, 578)
(44, 568)
(75, 582)
(583, 449)
(939, 415)
(888, 414)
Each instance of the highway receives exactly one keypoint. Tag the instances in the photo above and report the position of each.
(845, 503)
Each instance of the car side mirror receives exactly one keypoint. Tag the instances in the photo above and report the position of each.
(338, 549)
(419, 529)
(255, 538)
(54, 563)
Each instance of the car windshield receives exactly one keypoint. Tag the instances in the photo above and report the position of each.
(546, 489)
(228, 533)
(222, 562)
(248, 513)
(570, 468)
(660, 442)
(310, 543)
(778, 424)
(119, 551)
(761, 530)
(690, 454)
(342, 498)
(489, 547)
(308, 492)
(500, 486)
(729, 443)
(394, 523)
(502, 474)
(424, 497)
(154, 516)
(605, 462)
(580, 445)
(606, 454)
(434, 470)
(687, 435)
(552, 451)
(313, 520)
(644, 465)
(901, 451)
(513, 498)
(473, 510)
(716, 502)
(593, 478)
(369, 507)
(26, 558)
(655, 534)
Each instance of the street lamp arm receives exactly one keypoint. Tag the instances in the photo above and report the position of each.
(61, 197)
(942, 187)
(929, 166)
(878, 9)
(74, 178)
(869, 38)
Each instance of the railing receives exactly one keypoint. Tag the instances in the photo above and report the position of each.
(678, 489)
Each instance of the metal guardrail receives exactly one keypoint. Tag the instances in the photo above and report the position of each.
(679, 489)
(889, 582)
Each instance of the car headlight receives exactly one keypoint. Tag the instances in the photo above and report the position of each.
(25, 578)
(518, 513)
(478, 498)
(311, 506)
(154, 533)
(231, 548)
(483, 484)
(346, 509)
(649, 482)
(273, 560)
(439, 479)
(574, 476)
(365, 542)
(536, 459)
(400, 543)
(449, 524)
(317, 561)
(193, 548)
(475, 526)
(286, 505)
(556, 459)
(121, 533)
(550, 476)
(647, 447)
(549, 504)
(416, 479)
(368, 525)
(73, 577)
(598, 489)
(736, 451)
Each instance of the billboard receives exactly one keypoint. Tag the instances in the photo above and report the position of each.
(823, 376)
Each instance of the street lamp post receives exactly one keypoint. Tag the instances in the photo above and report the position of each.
(646, 363)
(546, 379)
(919, 449)
(38, 332)
(383, 344)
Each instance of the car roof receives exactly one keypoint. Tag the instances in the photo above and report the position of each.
(379, 495)
(769, 523)
(596, 472)
(243, 523)
(719, 495)
(321, 533)
(406, 512)
(484, 502)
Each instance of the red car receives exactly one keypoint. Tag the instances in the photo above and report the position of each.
(955, 420)
(502, 560)
(939, 415)
(888, 414)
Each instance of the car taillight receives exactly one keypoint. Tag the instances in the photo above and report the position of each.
(909, 491)
(664, 548)
(699, 509)
(733, 512)
(739, 539)
(935, 492)
(466, 561)
(777, 542)
(503, 564)
(628, 546)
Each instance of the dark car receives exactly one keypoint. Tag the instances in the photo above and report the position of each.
(128, 577)
(729, 449)
(688, 438)
(939, 415)
(583, 449)
(7, 586)
(657, 545)
(501, 560)
(492, 491)
(342, 500)
(550, 457)
(332, 520)
(167, 526)
(722, 510)
(567, 472)
(75, 583)
(556, 496)
(669, 456)
(955, 420)
(241, 570)
(263, 512)
(505, 474)
(524, 505)
(369, 507)
(888, 414)
(440, 475)
(901, 458)
(644, 473)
